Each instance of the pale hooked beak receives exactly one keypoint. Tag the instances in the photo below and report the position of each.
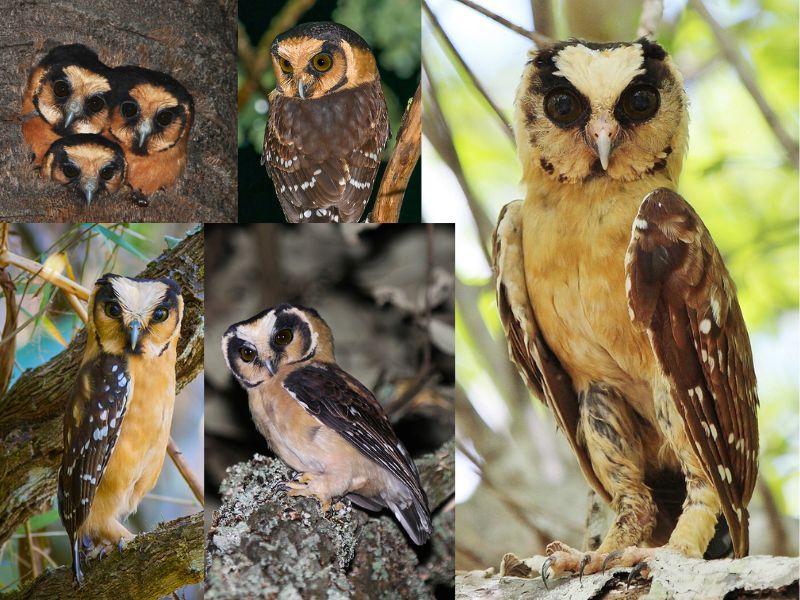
(144, 130)
(89, 188)
(603, 131)
(135, 327)
(301, 89)
(271, 367)
(73, 111)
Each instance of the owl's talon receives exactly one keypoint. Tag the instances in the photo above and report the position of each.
(610, 557)
(638, 571)
(545, 569)
(587, 558)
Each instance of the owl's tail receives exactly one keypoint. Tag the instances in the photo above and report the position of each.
(412, 515)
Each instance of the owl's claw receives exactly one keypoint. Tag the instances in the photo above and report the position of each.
(636, 571)
(587, 558)
(545, 569)
(610, 557)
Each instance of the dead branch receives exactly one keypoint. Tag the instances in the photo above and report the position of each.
(401, 164)
(540, 40)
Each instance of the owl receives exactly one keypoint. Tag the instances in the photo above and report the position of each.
(320, 420)
(327, 126)
(619, 312)
(151, 118)
(67, 92)
(86, 161)
(118, 415)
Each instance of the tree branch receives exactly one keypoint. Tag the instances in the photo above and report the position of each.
(262, 542)
(32, 412)
(401, 164)
(150, 566)
(650, 18)
(734, 56)
(539, 39)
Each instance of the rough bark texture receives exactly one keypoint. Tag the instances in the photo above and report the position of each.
(192, 40)
(150, 566)
(263, 543)
(671, 576)
(32, 412)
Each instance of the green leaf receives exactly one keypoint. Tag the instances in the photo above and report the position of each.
(121, 242)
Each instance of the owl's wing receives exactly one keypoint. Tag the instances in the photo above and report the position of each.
(340, 402)
(681, 293)
(539, 367)
(91, 427)
(323, 154)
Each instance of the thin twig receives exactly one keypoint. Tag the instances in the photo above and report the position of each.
(540, 40)
(734, 56)
(651, 18)
(543, 18)
(475, 82)
(31, 545)
(185, 470)
(401, 164)
(440, 135)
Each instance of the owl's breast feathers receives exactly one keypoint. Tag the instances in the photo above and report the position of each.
(323, 154)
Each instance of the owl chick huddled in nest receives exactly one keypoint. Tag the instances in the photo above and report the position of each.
(94, 128)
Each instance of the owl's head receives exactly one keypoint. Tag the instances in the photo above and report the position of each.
(70, 89)
(613, 110)
(257, 348)
(86, 161)
(134, 316)
(151, 111)
(315, 59)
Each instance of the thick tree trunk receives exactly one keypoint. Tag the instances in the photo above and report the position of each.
(32, 411)
(263, 542)
(192, 40)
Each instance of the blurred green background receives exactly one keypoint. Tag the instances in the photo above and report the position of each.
(515, 473)
(90, 250)
(390, 27)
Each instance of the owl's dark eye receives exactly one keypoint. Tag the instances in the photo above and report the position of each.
(322, 62)
(160, 315)
(563, 106)
(164, 117)
(129, 109)
(61, 88)
(107, 172)
(286, 66)
(95, 104)
(283, 337)
(70, 171)
(639, 102)
(113, 310)
(247, 354)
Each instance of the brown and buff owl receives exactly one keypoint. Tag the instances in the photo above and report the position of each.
(328, 123)
(618, 309)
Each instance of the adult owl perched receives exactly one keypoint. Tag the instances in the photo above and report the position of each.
(618, 309)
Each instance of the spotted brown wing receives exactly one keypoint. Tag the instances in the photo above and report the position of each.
(92, 424)
(323, 154)
(539, 367)
(682, 294)
(340, 402)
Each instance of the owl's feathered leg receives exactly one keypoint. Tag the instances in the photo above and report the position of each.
(608, 429)
(322, 486)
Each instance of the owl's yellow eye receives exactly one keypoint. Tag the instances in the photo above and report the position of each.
(322, 62)
(563, 106)
(639, 102)
(113, 310)
(286, 66)
(247, 354)
(283, 337)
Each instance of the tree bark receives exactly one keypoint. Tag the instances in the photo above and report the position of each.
(150, 566)
(194, 41)
(671, 576)
(262, 542)
(32, 411)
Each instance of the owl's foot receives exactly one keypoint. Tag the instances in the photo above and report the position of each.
(306, 485)
(564, 559)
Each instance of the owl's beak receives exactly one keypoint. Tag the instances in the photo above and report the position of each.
(89, 187)
(271, 367)
(135, 327)
(73, 111)
(301, 89)
(144, 131)
(603, 132)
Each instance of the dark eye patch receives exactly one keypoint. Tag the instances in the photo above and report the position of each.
(108, 171)
(129, 109)
(61, 88)
(165, 117)
(95, 103)
(70, 170)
